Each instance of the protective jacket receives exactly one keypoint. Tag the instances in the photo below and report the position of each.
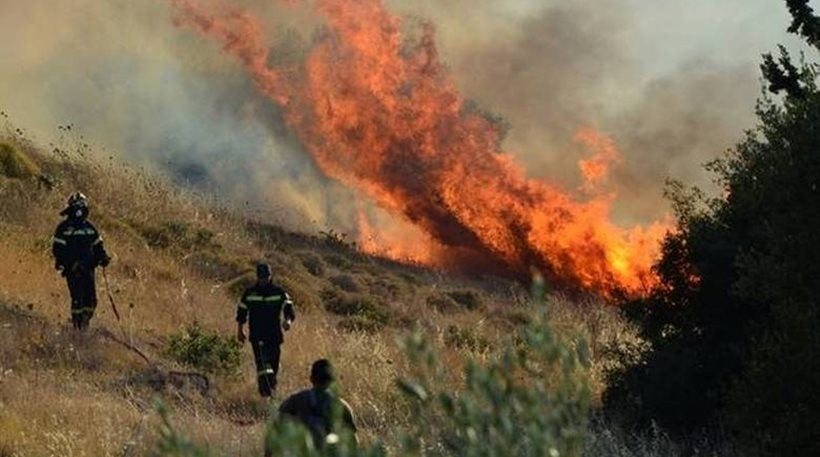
(263, 307)
(78, 250)
(77, 245)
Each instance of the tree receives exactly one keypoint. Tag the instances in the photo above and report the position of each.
(732, 323)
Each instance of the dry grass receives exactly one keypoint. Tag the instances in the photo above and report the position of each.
(179, 259)
(14, 164)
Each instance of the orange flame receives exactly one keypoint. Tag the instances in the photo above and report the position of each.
(595, 170)
(385, 118)
(397, 243)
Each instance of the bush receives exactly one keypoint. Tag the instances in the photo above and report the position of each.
(205, 350)
(15, 164)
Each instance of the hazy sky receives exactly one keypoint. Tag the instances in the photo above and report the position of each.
(672, 81)
(663, 32)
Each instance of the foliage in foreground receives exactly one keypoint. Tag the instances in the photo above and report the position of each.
(531, 400)
(733, 325)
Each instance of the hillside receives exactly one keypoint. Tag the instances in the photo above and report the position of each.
(181, 260)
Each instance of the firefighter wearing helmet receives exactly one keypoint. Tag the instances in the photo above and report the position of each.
(268, 310)
(78, 250)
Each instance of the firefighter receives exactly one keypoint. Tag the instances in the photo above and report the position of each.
(268, 310)
(78, 250)
(320, 409)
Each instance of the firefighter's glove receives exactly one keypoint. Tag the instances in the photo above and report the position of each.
(105, 261)
(60, 267)
(286, 325)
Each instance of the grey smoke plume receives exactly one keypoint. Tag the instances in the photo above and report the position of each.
(126, 77)
(673, 84)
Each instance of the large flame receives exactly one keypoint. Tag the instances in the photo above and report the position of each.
(384, 117)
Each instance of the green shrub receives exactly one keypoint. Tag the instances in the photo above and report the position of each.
(15, 164)
(205, 350)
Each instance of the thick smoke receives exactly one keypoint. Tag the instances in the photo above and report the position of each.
(634, 71)
(662, 79)
(125, 77)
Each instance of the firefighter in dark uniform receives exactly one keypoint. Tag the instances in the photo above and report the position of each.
(78, 250)
(268, 310)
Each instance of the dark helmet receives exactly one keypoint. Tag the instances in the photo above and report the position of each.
(263, 271)
(322, 372)
(77, 205)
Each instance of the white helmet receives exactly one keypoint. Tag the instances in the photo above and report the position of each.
(77, 205)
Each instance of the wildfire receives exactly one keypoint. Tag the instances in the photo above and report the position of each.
(595, 170)
(399, 243)
(384, 117)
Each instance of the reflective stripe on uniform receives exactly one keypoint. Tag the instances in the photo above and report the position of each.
(260, 298)
(59, 241)
(79, 232)
(242, 306)
(265, 372)
(82, 310)
(97, 241)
